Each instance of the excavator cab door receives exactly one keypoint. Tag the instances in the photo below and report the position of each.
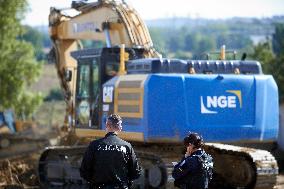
(87, 93)
(95, 67)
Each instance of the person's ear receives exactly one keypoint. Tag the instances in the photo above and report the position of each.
(107, 125)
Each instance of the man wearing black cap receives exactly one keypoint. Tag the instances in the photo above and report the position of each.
(110, 162)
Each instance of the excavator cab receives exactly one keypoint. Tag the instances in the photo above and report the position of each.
(95, 67)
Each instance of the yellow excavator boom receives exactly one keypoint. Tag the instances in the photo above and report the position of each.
(113, 22)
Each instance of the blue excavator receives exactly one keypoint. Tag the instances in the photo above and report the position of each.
(231, 103)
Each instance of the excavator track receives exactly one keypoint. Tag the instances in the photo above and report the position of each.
(234, 167)
(240, 167)
(59, 168)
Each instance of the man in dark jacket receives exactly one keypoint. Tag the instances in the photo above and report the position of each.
(110, 162)
(194, 171)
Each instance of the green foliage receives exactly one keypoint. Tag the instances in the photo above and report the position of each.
(278, 67)
(36, 39)
(18, 68)
(191, 42)
(183, 55)
(92, 44)
(273, 60)
(206, 44)
(27, 104)
(279, 75)
(45, 37)
(233, 41)
(278, 39)
(264, 54)
(158, 40)
(11, 12)
(202, 39)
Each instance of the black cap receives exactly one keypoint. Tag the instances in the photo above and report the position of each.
(193, 138)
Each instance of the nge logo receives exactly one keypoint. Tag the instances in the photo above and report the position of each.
(224, 101)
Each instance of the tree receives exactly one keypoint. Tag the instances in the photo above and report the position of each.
(18, 67)
(206, 44)
(36, 39)
(279, 75)
(191, 42)
(273, 60)
(175, 43)
(278, 48)
(264, 54)
(159, 42)
(278, 39)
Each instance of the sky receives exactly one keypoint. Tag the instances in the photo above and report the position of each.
(153, 9)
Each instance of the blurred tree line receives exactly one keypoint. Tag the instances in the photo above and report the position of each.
(39, 40)
(188, 42)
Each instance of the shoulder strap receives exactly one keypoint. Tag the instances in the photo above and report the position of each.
(200, 156)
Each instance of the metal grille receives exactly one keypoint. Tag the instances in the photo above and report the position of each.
(129, 95)
(128, 108)
(129, 84)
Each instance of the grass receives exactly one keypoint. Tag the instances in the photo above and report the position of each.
(50, 113)
(47, 81)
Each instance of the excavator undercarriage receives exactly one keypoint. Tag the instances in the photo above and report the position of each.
(234, 167)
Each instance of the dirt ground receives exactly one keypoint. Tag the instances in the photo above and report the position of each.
(20, 173)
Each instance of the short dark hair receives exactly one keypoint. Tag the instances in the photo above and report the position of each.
(115, 120)
(195, 139)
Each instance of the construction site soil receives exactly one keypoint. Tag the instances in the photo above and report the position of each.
(20, 172)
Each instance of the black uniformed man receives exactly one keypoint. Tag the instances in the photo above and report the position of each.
(110, 162)
(194, 171)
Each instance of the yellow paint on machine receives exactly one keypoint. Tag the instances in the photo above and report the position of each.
(128, 85)
(238, 93)
(129, 136)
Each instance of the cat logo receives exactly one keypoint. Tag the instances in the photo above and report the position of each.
(213, 103)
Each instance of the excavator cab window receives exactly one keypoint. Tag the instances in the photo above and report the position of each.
(87, 93)
(84, 81)
(111, 69)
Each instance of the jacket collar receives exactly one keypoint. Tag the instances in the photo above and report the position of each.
(198, 152)
(111, 134)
